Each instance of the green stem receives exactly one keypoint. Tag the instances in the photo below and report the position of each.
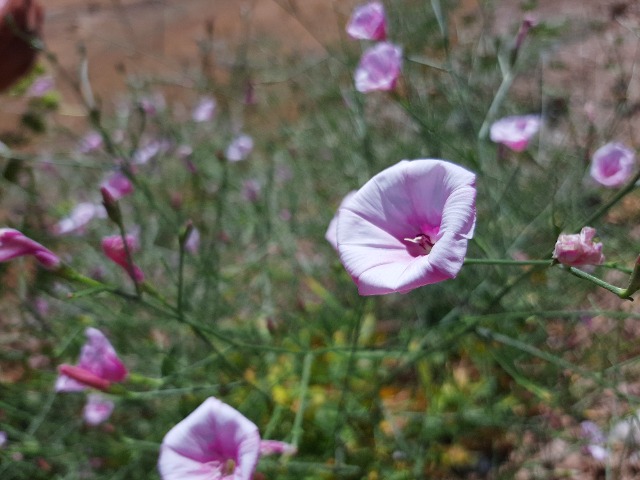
(297, 423)
(620, 292)
(504, 261)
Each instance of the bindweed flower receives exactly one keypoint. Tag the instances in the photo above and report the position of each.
(408, 226)
(152, 104)
(214, 441)
(240, 148)
(578, 249)
(118, 185)
(204, 109)
(515, 132)
(192, 245)
(79, 218)
(379, 68)
(14, 244)
(97, 410)
(113, 247)
(41, 86)
(251, 190)
(331, 234)
(91, 142)
(97, 367)
(612, 164)
(150, 150)
(3, 439)
(368, 22)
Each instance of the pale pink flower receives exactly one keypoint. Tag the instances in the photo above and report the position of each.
(149, 150)
(97, 410)
(408, 226)
(79, 218)
(214, 442)
(331, 235)
(240, 148)
(98, 361)
(368, 22)
(3, 439)
(579, 248)
(379, 68)
(152, 104)
(118, 185)
(204, 109)
(613, 164)
(515, 132)
(91, 142)
(113, 247)
(251, 190)
(14, 244)
(192, 245)
(41, 86)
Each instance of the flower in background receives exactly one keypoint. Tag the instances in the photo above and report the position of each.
(240, 148)
(91, 142)
(118, 185)
(408, 226)
(204, 109)
(3, 438)
(596, 441)
(98, 366)
(41, 86)
(612, 164)
(251, 190)
(97, 410)
(14, 244)
(79, 218)
(368, 22)
(192, 245)
(579, 248)
(331, 234)
(152, 104)
(150, 150)
(113, 247)
(214, 441)
(379, 68)
(515, 132)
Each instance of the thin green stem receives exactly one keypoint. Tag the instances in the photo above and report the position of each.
(620, 292)
(297, 422)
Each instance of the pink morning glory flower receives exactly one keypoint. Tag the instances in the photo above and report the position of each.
(97, 410)
(113, 247)
(204, 109)
(98, 366)
(14, 244)
(379, 68)
(331, 234)
(214, 441)
(578, 249)
(515, 132)
(368, 22)
(91, 142)
(408, 226)
(240, 148)
(79, 218)
(118, 185)
(612, 164)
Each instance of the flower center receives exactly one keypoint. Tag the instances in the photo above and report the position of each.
(419, 245)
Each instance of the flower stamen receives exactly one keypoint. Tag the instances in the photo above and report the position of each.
(423, 241)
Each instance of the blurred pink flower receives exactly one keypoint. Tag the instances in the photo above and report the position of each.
(240, 148)
(149, 150)
(118, 185)
(192, 245)
(3, 439)
(91, 142)
(214, 442)
(152, 104)
(379, 68)
(204, 109)
(98, 361)
(515, 132)
(251, 190)
(79, 218)
(613, 164)
(331, 234)
(14, 244)
(579, 248)
(41, 86)
(408, 226)
(368, 22)
(97, 410)
(113, 247)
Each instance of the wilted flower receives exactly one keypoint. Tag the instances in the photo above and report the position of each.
(612, 164)
(579, 248)
(97, 410)
(204, 109)
(331, 235)
(239, 148)
(97, 367)
(79, 218)
(368, 22)
(118, 185)
(14, 244)
(408, 226)
(379, 68)
(114, 248)
(214, 441)
(515, 132)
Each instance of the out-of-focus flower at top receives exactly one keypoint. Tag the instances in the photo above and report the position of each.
(15, 244)
(204, 110)
(408, 226)
(613, 164)
(239, 148)
(331, 235)
(79, 218)
(578, 249)
(113, 247)
(91, 142)
(118, 185)
(379, 68)
(368, 22)
(41, 86)
(515, 132)
(20, 20)
(215, 441)
(97, 410)
(98, 366)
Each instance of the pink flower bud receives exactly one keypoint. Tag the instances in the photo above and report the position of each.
(368, 22)
(14, 244)
(578, 249)
(113, 247)
(612, 164)
(379, 68)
